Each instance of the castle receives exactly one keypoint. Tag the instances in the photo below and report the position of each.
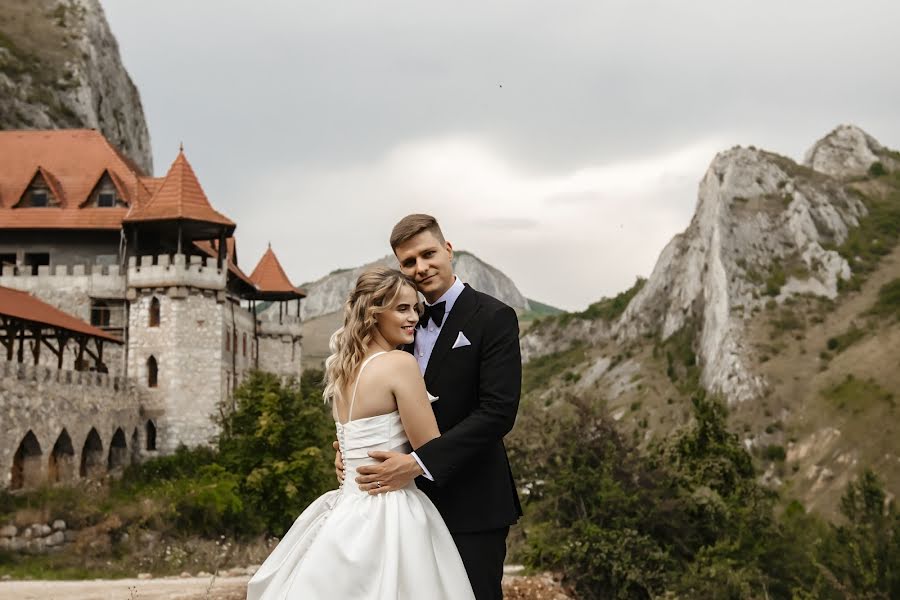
(133, 290)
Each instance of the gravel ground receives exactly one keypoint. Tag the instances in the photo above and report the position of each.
(540, 587)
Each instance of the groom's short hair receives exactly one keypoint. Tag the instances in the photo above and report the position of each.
(411, 226)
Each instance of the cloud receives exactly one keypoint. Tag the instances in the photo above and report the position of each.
(568, 253)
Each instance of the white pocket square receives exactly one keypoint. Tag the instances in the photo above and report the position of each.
(461, 341)
(430, 397)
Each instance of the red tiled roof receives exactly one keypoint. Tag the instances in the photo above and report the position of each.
(62, 218)
(207, 247)
(180, 196)
(25, 307)
(72, 156)
(269, 276)
(70, 160)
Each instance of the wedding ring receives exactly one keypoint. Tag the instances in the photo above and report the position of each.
(378, 484)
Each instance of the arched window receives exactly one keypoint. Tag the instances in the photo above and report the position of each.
(151, 435)
(152, 372)
(154, 312)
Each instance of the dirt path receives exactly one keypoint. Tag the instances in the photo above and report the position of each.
(175, 588)
(539, 587)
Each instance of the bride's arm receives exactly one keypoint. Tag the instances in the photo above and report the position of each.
(412, 400)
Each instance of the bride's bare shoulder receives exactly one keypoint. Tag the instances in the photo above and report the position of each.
(398, 359)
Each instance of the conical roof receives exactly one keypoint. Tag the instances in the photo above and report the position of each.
(271, 279)
(179, 197)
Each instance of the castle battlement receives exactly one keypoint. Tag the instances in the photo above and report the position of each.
(106, 281)
(289, 326)
(82, 379)
(164, 270)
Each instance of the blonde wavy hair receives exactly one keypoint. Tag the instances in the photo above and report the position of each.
(375, 292)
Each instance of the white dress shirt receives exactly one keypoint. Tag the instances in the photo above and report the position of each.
(427, 336)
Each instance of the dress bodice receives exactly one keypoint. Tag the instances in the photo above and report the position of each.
(360, 436)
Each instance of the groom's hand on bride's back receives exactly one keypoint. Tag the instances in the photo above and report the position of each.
(394, 472)
(338, 462)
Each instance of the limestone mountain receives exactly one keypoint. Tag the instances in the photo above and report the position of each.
(321, 309)
(777, 297)
(60, 68)
(327, 295)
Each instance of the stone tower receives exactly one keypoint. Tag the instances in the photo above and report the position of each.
(177, 308)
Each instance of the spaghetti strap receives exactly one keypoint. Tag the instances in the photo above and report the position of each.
(356, 385)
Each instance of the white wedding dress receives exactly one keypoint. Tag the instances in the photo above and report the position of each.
(348, 544)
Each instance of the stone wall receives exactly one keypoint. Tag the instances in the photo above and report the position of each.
(280, 347)
(73, 289)
(187, 347)
(61, 425)
(204, 345)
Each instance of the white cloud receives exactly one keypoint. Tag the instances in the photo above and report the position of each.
(566, 238)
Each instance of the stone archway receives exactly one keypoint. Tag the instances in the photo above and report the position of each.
(26, 468)
(61, 466)
(118, 451)
(92, 464)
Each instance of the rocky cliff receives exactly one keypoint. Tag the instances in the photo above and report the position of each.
(765, 229)
(328, 294)
(60, 67)
(782, 296)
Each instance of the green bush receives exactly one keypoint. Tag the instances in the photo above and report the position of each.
(272, 459)
(888, 302)
(774, 453)
(876, 169)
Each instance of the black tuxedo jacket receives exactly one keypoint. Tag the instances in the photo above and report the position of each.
(478, 388)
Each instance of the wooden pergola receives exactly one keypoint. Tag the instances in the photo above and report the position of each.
(24, 318)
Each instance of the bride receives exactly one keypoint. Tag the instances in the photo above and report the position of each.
(348, 543)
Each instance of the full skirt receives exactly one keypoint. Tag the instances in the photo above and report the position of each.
(349, 545)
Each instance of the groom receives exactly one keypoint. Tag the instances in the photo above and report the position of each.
(467, 347)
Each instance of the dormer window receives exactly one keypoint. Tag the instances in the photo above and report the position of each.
(43, 191)
(40, 198)
(106, 200)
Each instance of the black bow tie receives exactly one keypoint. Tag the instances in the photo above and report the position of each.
(435, 312)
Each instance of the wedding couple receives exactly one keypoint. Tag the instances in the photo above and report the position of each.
(421, 405)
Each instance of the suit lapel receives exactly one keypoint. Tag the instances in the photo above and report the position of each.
(462, 311)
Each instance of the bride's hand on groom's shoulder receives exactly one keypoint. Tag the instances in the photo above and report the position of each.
(395, 471)
(338, 462)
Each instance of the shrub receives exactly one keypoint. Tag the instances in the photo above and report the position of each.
(876, 169)
(888, 302)
(774, 453)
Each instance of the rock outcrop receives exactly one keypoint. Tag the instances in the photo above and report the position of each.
(60, 68)
(845, 152)
(328, 294)
(764, 229)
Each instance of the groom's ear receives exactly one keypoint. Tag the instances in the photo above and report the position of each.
(449, 247)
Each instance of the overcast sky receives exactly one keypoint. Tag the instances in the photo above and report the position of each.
(561, 141)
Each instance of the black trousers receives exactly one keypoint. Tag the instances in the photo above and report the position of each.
(483, 553)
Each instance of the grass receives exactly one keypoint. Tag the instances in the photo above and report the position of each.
(538, 310)
(538, 372)
(888, 302)
(606, 309)
(841, 342)
(63, 566)
(857, 395)
(877, 234)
